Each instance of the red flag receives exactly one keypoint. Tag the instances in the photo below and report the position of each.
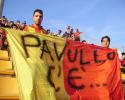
(91, 72)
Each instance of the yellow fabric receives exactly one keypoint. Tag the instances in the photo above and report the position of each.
(31, 29)
(123, 77)
(32, 72)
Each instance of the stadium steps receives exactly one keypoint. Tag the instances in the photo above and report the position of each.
(8, 88)
(8, 82)
(4, 55)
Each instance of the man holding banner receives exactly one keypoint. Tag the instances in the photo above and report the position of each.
(36, 27)
(105, 41)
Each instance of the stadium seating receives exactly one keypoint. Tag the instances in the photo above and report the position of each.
(8, 82)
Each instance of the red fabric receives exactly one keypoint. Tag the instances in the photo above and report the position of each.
(3, 33)
(123, 63)
(77, 34)
(0, 42)
(91, 72)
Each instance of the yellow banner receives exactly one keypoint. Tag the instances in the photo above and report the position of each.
(38, 65)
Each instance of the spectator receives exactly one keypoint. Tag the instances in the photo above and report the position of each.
(11, 23)
(123, 59)
(59, 33)
(105, 41)
(84, 41)
(7, 24)
(3, 17)
(4, 43)
(71, 32)
(36, 27)
(48, 32)
(67, 32)
(14, 27)
(18, 24)
(23, 25)
(2, 32)
(77, 35)
(3, 22)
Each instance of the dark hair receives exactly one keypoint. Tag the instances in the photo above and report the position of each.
(18, 21)
(59, 31)
(123, 53)
(48, 30)
(77, 39)
(14, 25)
(38, 10)
(3, 16)
(105, 37)
(83, 40)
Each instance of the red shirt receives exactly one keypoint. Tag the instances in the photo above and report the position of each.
(123, 62)
(77, 34)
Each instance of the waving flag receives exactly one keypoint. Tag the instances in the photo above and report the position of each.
(77, 34)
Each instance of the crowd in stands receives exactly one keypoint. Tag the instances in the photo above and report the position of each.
(8, 24)
(11, 24)
(69, 33)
